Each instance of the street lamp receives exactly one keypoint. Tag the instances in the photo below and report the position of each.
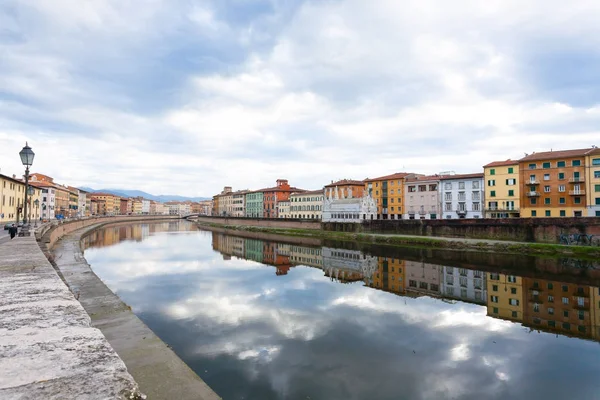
(37, 206)
(27, 159)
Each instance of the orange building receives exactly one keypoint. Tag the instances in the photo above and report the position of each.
(388, 193)
(390, 275)
(558, 306)
(553, 183)
(271, 196)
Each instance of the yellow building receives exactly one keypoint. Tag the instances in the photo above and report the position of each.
(388, 193)
(390, 275)
(12, 195)
(505, 296)
(136, 206)
(111, 204)
(502, 190)
(595, 311)
(592, 177)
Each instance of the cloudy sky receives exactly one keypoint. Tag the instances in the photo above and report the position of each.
(185, 97)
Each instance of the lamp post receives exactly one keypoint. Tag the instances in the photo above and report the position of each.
(37, 207)
(27, 159)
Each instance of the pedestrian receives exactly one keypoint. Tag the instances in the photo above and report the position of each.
(12, 231)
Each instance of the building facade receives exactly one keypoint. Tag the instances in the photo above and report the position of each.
(307, 205)
(348, 208)
(462, 196)
(592, 168)
(388, 193)
(283, 209)
(505, 296)
(273, 195)
(345, 186)
(423, 278)
(422, 197)
(254, 204)
(554, 183)
(238, 205)
(464, 284)
(502, 189)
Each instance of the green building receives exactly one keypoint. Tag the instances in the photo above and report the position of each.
(254, 205)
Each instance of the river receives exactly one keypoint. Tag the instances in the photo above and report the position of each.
(259, 319)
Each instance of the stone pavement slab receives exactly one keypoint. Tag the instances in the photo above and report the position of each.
(48, 347)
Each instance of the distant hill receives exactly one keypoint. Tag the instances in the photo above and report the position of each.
(135, 193)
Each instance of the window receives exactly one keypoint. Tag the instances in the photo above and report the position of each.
(561, 176)
(475, 185)
(492, 171)
(565, 300)
(513, 302)
(561, 188)
(494, 299)
(595, 161)
(563, 213)
(533, 201)
(495, 310)
(596, 174)
(577, 200)
(532, 166)
(513, 290)
(536, 308)
(581, 315)
(576, 163)
(534, 213)
(546, 165)
(566, 325)
(511, 170)
(546, 177)
(494, 288)
(552, 324)
(511, 182)
(461, 185)
(561, 164)
(596, 188)
(562, 200)
(512, 279)
(550, 310)
(511, 193)
(547, 200)
(566, 313)
(548, 214)
(546, 189)
(493, 193)
(565, 288)
(515, 314)
(492, 182)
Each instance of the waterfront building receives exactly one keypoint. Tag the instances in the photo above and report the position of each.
(223, 202)
(422, 196)
(62, 199)
(342, 206)
(462, 196)
(178, 208)
(592, 168)
(389, 275)
(561, 307)
(388, 193)
(145, 206)
(502, 189)
(12, 199)
(83, 203)
(553, 183)
(345, 186)
(505, 296)
(273, 195)
(283, 209)
(464, 284)
(136, 206)
(423, 278)
(307, 205)
(111, 204)
(206, 206)
(123, 206)
(238, 203)
(48, 201)
(254, 204)
(342, 264)
(161, 209)
(73, 201)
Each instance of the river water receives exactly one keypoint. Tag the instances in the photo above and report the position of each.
(264, 320)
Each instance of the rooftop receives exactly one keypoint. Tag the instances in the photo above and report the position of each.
(397, 175)
(344, 182)
(424, 178)
(550, 155)
(320, 191)
(462, 176)
(501, 163)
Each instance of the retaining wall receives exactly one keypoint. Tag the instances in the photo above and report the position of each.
(262, 222)
(51, 233)
(537, 230)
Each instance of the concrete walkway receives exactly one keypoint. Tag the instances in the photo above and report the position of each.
(160, 373)
(48, 348)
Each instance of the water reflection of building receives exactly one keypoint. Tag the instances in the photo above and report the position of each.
(112, 235)
(423, 278)
(306, 255)
(505, 296)
(348, 265)
(560, 307)
(595, 308)
(464, 284)
(389, 275)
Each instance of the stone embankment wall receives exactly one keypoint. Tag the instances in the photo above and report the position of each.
(535, 230)
(51, 233)
(262, 222)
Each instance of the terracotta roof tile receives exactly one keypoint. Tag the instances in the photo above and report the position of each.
(501, 163)
(463, 176)
(551, 155)
(397, 175)
(345, 182)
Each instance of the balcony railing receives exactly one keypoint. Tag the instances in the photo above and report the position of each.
(503, 209)
(576, 192)
(577, 180)
(461, 212)
(533, 182)
(533, 194)
(422, 212)
(411, 212)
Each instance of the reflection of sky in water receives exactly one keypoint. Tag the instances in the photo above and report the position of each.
(253, 335)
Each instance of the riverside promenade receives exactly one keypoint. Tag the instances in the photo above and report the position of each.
(65, 335)
(48, 346)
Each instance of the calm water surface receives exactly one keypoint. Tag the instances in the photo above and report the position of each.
(263, 320)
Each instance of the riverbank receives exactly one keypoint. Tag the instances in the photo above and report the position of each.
(447, 243)
(158, 371)
(49, 348)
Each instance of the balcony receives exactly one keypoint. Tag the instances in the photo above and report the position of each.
(577, 180)
(422, 212)
(533, 182)
(411, 212)
(502, 209)
(536, 300)
(461, 212)
(576, 192)
(532, 194)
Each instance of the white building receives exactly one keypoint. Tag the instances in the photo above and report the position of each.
(179, 209)
(238, 203)
(464, 284)
(307, 205)
(422, 197)
(47, 202)
(161, 209)
(340, 263)
(145, 206)
(81, 203)
(348, 208)
(462, 196)
(283, 209)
